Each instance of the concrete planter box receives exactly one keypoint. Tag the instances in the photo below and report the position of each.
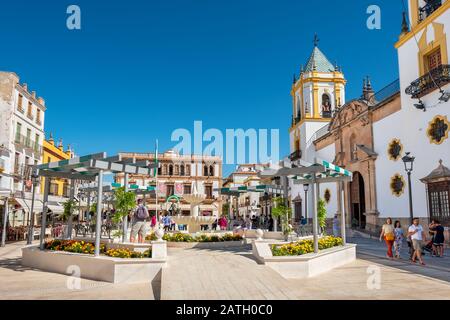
(207, 245)
(102, 268)
(273, 235)
(307, 265)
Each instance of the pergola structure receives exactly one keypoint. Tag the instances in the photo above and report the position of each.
(88, 168)
(237, 191)
(314, 174)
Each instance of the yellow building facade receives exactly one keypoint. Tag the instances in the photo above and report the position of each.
(52, 153)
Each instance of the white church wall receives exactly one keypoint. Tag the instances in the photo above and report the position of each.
(409, 125)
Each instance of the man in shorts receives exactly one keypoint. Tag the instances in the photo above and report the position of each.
(138, 226)
(415, 231)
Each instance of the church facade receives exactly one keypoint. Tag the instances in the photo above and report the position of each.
(371, 134)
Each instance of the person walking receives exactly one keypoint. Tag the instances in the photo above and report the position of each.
(335, 226)
(223, 223)
(270, 227)
(387, 233)
(138, 222)
(438, 239)
(398, 232)
(415, 231)
(166, 222)
(153, 222)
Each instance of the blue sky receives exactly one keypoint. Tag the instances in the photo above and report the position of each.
(140, 69)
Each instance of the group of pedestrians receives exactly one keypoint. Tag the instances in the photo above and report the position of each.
(393, 235)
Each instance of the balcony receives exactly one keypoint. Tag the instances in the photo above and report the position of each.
(29, 144)
(428, 9)
(434, 79)
(296, 155)
(326, 114)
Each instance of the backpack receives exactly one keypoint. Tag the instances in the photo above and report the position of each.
(141, 213)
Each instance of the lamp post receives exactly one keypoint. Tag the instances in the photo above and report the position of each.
(306, 188)
(35, 181)
(408, 161)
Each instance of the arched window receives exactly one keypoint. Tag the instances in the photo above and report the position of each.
(299, 111)
(182, 170)
(188, 169)
(211, 171)
(326, 106)
(170, 170)
(205, 170)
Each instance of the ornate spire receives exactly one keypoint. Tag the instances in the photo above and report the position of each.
(51, 140)
(316, 40)
(369, 84)
(294, 80)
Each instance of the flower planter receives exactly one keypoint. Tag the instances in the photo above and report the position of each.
(207, 245)
(102, 268)
(304, 266)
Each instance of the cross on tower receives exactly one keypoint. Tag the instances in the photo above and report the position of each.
(316, 40)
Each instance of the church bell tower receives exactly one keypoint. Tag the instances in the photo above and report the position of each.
(316, 92)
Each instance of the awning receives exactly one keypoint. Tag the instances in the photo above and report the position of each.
(25, 204)
(55, 207)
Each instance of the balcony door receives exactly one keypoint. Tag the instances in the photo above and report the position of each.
(433, 60)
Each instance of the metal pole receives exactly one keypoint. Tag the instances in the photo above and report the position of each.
(411, 214)
(343, 232)
(71, 197)
(125, 218)
(98, 224)
(315, 197)
(306, 205)
(89, 205)
(44, 212)
(31, 227)
(5, 218)
(286, 201)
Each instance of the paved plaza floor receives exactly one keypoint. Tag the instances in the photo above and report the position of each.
(234, 274)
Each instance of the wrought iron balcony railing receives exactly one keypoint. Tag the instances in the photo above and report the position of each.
(296, 155)
(29, 144)
(431, 81)
(327, 114)
(428, 9)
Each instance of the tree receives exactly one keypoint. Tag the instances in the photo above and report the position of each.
(280, 210)
(321, 214)
(124, 202)
(226, 209)
(68, 208)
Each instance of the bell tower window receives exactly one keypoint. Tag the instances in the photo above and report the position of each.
(326, 106)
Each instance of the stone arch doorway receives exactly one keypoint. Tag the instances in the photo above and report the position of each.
(357, 201)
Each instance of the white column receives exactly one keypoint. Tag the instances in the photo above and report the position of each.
(98, 223)
(315, 197)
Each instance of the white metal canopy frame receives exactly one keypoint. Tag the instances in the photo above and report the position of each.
(88, 168)
(314, 174)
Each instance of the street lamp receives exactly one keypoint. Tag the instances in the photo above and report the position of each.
(408, 161)
(306, 188)
(35, 181)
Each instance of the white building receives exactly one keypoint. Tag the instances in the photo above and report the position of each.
(371, 134)
(247, 204)
(21, 136)
(21, 133)
(179, 175)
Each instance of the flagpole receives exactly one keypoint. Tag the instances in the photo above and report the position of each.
(156, 183)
